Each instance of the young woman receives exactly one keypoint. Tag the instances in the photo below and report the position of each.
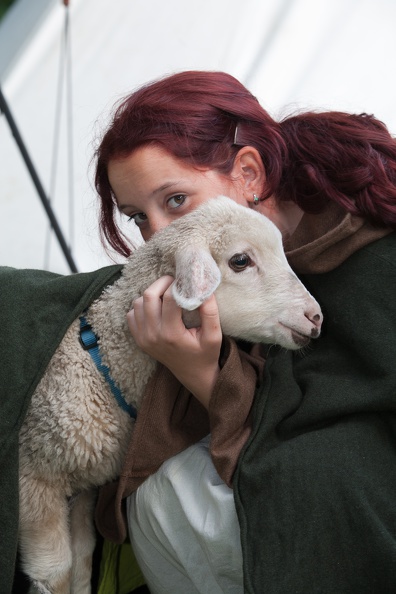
(294, 490)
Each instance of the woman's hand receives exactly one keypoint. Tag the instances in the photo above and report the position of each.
(190, 354)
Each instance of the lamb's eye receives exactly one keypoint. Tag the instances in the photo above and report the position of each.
(239, 262)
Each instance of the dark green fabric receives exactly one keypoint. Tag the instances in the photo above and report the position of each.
(315, 487)
(36, 308)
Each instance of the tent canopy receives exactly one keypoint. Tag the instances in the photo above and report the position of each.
(292, 54)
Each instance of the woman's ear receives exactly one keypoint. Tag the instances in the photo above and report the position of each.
(249, 170)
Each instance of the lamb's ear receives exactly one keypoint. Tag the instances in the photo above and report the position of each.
(197, 277)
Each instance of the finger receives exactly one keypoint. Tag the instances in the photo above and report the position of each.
(132, 323)
(157, 288)
(152, 300)
(136, 314)
(210, 318)
(171, 312)
(137, 304)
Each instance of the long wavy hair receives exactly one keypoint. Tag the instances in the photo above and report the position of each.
(204, 118)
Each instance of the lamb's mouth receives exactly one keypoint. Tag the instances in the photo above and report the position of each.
(298, 338)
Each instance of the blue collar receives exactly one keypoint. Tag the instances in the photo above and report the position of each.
(89, 342)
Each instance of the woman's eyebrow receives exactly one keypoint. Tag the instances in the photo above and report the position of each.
(166, 186)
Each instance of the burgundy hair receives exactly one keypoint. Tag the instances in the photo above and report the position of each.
(309, 158)
(349, 159)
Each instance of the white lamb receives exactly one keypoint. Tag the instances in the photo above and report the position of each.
(75, 434)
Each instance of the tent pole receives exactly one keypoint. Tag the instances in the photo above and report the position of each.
(39, 187)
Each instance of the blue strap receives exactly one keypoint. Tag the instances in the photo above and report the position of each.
(89, 343)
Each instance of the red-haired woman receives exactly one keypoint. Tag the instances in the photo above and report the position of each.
(295, 489)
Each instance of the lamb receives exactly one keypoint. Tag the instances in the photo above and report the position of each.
(75, 434)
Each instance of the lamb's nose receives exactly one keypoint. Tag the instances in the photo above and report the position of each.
(315, 332)
(316, 319)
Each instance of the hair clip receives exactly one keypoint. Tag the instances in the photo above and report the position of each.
(236, 135)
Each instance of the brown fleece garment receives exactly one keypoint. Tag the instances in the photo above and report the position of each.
(322, 242)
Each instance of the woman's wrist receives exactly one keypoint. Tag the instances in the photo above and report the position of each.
(201, 385)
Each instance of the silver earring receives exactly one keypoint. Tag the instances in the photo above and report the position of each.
(255, 200)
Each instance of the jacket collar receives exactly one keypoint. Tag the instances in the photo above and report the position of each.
(323, 242)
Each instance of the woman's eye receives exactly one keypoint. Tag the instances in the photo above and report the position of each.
(239, 262)
(176, 201)
(139, 218)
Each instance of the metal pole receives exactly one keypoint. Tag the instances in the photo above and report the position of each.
(39, 187)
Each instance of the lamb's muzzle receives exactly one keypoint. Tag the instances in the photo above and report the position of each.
(305, 321)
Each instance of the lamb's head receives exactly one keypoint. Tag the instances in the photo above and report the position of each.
(237, 253)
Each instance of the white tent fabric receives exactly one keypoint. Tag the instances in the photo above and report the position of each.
(325, 54)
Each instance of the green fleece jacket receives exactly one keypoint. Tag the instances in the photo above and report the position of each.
(315, 486)
(36, 308)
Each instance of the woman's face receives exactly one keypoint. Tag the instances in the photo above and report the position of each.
(153, 188)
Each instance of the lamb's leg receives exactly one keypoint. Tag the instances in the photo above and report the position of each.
(44, 537)
(82, 541)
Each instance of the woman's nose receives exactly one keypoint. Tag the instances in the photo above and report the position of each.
(156, 224)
